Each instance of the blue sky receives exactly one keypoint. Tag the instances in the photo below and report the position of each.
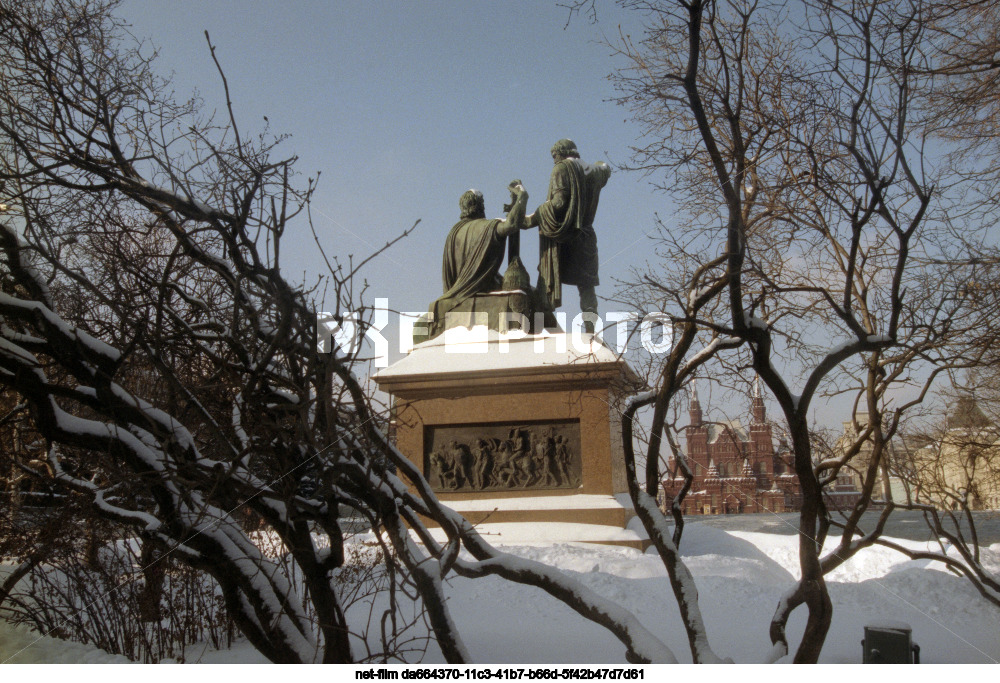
(403, 106)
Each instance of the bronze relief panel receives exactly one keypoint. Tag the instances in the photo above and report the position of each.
(503, 456)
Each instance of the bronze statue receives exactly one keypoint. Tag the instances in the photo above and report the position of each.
(567, 241)
(473, 252)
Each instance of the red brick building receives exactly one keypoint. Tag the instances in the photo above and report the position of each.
(735, 469)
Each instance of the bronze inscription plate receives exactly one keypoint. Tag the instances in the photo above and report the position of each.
(503, 456)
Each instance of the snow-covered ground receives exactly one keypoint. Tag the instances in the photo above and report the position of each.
(740, 577)
(21, 645)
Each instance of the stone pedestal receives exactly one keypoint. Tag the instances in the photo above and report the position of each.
(519, 433)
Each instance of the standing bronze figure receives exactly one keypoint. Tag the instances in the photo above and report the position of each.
(568, 242)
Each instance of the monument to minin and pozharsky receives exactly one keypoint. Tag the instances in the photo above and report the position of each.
(513, 424)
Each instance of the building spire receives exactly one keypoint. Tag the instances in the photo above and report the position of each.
(757, 404)
(694, 407)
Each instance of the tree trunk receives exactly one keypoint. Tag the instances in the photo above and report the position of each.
(154, 573)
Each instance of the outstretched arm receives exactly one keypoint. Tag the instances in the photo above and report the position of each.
(515, 220)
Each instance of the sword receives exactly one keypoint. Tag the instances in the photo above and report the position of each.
(514, 240)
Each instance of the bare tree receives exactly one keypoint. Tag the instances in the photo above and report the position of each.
(963, 106)
(815, 225)
(949, 468)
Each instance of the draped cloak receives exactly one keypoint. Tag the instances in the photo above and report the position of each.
(567, 241)
(473, 253)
